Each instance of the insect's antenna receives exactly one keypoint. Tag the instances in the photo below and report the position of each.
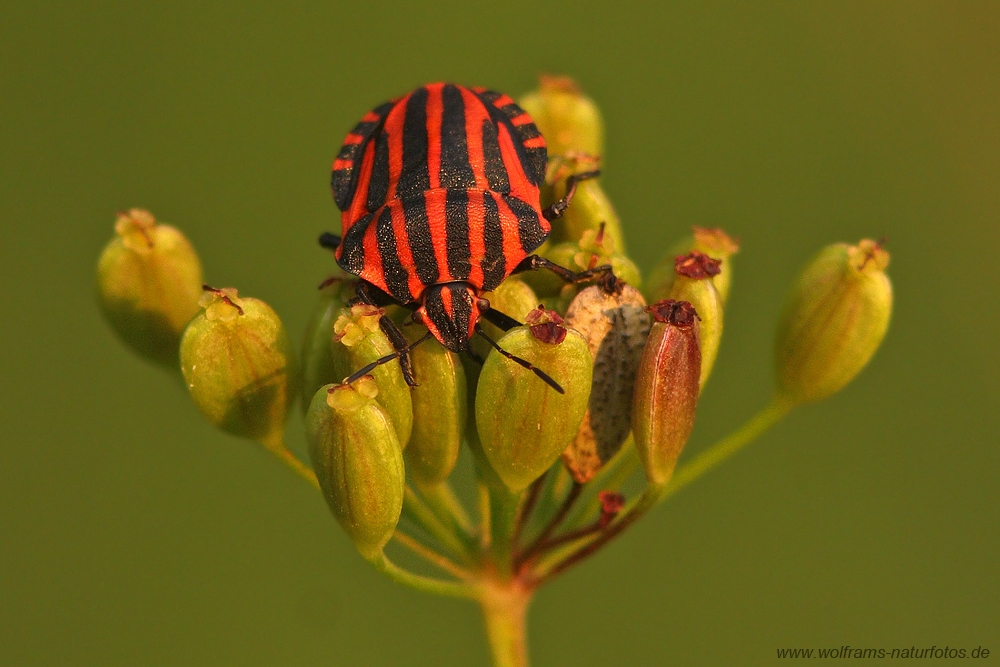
(522, 362)
(365, 370)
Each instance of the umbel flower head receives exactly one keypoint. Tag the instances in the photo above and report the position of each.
(578, 380)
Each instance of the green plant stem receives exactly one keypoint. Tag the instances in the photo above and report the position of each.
(503, 515)
(633, 512)
(430, 555)
(442, 501)
(483, 502)
(552, 525)
(611, 477)
(708, 459)
(505, 610)
(415, 510)
(277, 447)
(728, 445)
(421, 583)
(524, 513)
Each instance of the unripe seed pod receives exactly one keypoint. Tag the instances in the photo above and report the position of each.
(589, 211)
(835, 318)
(568, 119)
(615, 327)
(318, 364)
(149, 280)
(523, 423)
(514, 298)
(666, 389)
(358, 462)
(358, 333)
(439, 413)
(713, 242)
(693, 283)
(238, 365)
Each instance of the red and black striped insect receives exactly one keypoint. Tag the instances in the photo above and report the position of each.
(439, 193)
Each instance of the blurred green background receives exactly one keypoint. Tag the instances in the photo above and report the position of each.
(133, 534)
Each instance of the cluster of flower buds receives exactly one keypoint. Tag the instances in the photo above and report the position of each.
(599, 373)
(233, 352)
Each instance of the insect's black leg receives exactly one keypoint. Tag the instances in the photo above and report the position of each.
(496, 318)
(558, 208)
(329, 241)
(524, 363)
(373, 297)
(534, 263)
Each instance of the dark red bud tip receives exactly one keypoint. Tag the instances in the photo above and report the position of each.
(546, 325)
(677, 313)
(612, 503)
(697, 265)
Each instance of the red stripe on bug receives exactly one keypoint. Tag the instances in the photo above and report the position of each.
(537, 142)
(520, 186)
(477, 244)
(446, 303)
(475, 114)
(358, 206)
(370, 117)
(502, 101)
(512, 251)
(523, 119)
(394, 128)
(435, 202)
(435, 113)
(342, 164)
(403, 249)
(373, 271)
(352, 139)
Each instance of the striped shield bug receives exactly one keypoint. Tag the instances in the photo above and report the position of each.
(439, 194)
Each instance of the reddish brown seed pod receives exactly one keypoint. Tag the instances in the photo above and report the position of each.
(666, 388)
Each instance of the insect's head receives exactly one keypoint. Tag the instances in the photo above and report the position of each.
(450, 312)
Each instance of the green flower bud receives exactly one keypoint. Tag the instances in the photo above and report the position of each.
(513, 297)
(523, 423)
(358, 462)
(238, 365)
(834, 320)
(439, 413)
(615, 327)
(590, 210)
(666, 389)
(319, 367)
(568, 119)
(357, 333)
(693, 283)
(713, 242)
(149, 280)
